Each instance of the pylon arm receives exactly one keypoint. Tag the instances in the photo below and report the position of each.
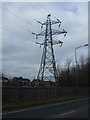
(54, 43)
(52, 22)
(40, 43)
(55, 22)
(56, 32)
(40, 34)
(57, 42)
(42, 23)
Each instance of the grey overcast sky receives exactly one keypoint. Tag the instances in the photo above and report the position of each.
(21, 56)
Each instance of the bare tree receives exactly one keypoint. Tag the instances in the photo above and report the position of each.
(58, 70)
(82, 61)
(68, 63)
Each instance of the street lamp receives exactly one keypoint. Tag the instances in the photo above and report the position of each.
(76, 56)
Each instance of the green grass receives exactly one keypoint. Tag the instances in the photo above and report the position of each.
(38, 102)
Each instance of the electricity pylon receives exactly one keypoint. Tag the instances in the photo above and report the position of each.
(47, 70)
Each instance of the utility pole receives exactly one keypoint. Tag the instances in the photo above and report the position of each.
(75, 52)
(77, 62)
(47, 70)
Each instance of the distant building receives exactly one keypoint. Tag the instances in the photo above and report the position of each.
(5, 81)
(47, 83)
(39, 83)
(35, 83)
(0, 80)
(19, 81)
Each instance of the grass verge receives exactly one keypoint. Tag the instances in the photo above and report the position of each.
(13, 106)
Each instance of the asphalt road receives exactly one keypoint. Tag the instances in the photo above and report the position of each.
(70, 109)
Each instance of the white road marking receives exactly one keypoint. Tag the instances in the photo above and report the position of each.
(43, 106)
(61, 115)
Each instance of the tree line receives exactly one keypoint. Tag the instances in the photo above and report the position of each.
(69, 76)
(74, 75)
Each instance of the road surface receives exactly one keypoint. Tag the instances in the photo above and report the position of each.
(69, 109)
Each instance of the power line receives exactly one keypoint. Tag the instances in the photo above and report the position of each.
(11, 32)
(22, 27)
(16, 15)
(14, 33)
(44, 8)
(38, 9)
(19, 25)
(19, 16)
(23, 11)
(35, 8)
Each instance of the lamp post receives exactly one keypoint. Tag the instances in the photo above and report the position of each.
(76, 59)
(75, 52)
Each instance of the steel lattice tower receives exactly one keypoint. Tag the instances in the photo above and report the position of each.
(47, 70)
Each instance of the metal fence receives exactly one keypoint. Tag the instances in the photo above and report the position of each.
(27, 94)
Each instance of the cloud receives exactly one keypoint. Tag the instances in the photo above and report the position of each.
(21, 56)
